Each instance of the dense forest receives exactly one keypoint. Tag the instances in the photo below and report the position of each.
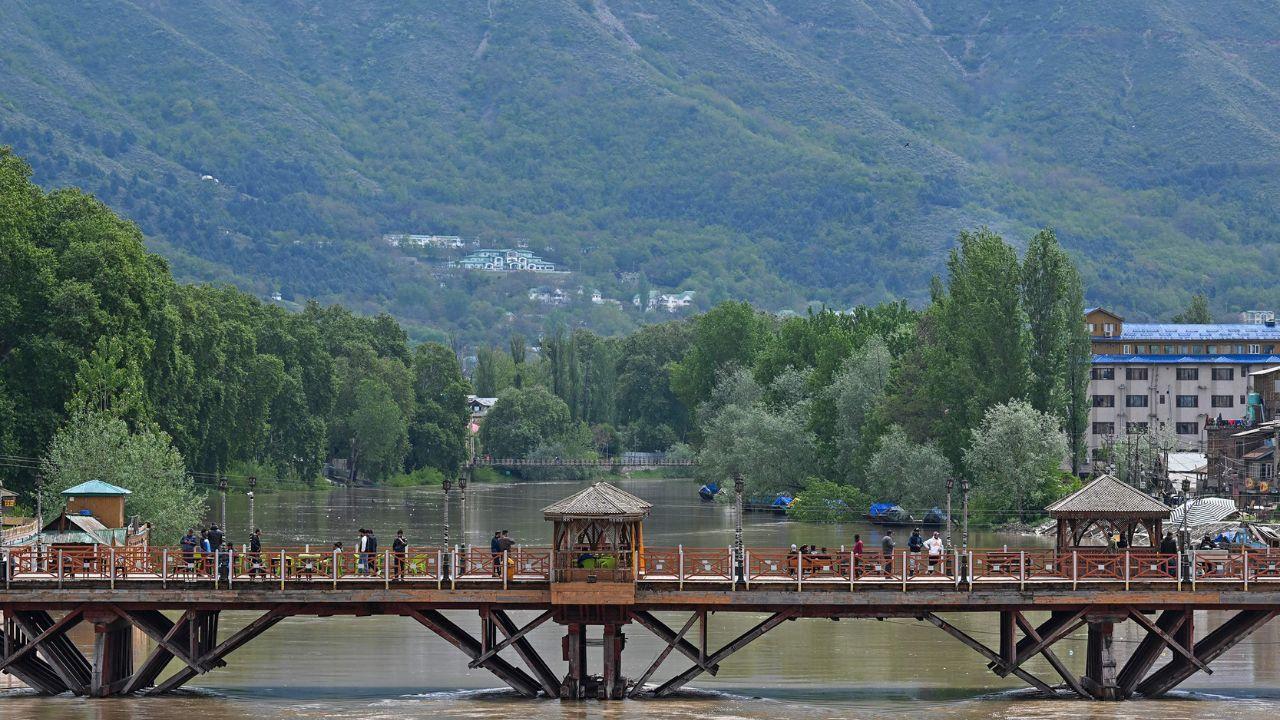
(778, 153)
(93, 326)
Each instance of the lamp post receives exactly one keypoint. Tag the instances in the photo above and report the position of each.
(253, 483)
(951, 481)
(738, 558)
(222, 488)
(447, 485)
(964, 530)
(462, 514)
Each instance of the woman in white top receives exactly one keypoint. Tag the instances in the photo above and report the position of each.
(934, 547)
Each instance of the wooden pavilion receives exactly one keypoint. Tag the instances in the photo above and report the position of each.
(1109, 505)
(596, 533)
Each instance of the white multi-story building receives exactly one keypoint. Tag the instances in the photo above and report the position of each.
(1176, 377)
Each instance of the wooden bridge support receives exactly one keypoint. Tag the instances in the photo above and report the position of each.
(708, 662)
(112, 656)
(1100, 662)
(1185, 664)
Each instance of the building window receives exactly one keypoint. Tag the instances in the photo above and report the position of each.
(1240, 349)
(1102, 373)
(1213, 349)
(1255, 349)
(1188, 428)
(1135, 428)
(1127, 349)
(1243, 400)
(1135, 373)
(1168, 349)
(1093, 328)
(1140, 400)
(1108, 329)
(1188, 401)
(1188, 373)
(1222, 401)
(1142, 349)
(1104, 428)
(1197, 349)
(1224, 373)
(1104, 400)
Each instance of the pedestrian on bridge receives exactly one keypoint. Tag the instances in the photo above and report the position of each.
(188, 544)
(495, 549)
(934, 546)
(255, 554)
(399, 547)
(886, 547)
(370, 552)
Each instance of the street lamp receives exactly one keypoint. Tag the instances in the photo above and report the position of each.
(951, 481)
(964, 531)
(222, 488)
(253, 483)
(447, 485)
(462, 519)
(738, 557)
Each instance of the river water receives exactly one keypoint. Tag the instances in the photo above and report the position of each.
(390, 667)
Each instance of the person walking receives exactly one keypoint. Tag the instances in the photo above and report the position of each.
(400, 547)
(934, 547)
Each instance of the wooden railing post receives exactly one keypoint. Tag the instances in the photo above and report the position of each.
(164, 568)
(680, 550)
(1178, 560)
(439, 568)
(1022, 570)
(335, 568)
(1245, 552)
(231, 566)
(504, 569)
(111, 569)
(59, 568)
(800, 569)
(746, 568)
(1194, 570)
(1126, 569)
(1075, 568)
(905, 570)
(386, 569)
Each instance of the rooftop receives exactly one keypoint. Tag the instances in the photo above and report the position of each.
(1139, 332)
(95, 488)
(1107, 496)
(1187, 359)
(599, 500)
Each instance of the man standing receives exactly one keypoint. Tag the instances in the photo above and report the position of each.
(255, 553)
(188, 544)
(505, 543)
(370, 551)
(399, 547)
(934, 546)
(361, 563)
(886, 547)
(495, 549)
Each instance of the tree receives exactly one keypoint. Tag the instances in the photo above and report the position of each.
(1059, 342)
(727, 335)
(826, 501)
(645, 400)
(522, 420)
(978, 352)
(494, 372)
(773, 450)
(1139, 458)
(855, 391)
(517, 359)
(100, 446)
(907, 472)
(379, 431)
(1197, 311)
(108, 381)
(1014, 460)
(438, 433)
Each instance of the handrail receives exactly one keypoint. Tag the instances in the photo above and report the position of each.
(1022, 568)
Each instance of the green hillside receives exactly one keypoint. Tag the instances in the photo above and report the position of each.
(771, 151)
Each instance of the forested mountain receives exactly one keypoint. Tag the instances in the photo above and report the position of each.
(778, 152)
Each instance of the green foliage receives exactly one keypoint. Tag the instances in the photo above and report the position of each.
(100, 446)
(824, 501)
(727, 336)
(909, 473)
(438, 432)
(1014, 458)
(521, 421)
(1197, 311)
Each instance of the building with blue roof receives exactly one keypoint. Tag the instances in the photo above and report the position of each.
(1174, 378)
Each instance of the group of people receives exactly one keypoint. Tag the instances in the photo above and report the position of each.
(499, 544)
(208, 541)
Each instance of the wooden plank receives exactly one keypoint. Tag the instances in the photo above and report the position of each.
(662, 656)
(65, 623)
(212, 657)
(511, 637)
(459, 638)
(738, 643)
(158, 630)
(1170, 641)
(665, 633)
(150, 669)
(63, 656)
(526, 651)
(35, 672)
(1148, 651)
(1210, 648)
(988, 653)
(1060, 667)
(1064, 628)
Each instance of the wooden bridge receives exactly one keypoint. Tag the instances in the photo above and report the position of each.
(118, 590)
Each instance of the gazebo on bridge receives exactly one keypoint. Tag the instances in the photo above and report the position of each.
(1112, 506)
(596, 533)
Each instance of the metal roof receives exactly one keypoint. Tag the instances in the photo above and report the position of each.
(598, 500)
(1185, 359)
(96, 488)
(1202, 511)
(1192, 331)
(1107, 496)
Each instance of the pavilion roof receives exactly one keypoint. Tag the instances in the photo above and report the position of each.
(600, 500)
(1108, 497)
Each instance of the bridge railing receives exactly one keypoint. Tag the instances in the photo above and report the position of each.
(711, 567)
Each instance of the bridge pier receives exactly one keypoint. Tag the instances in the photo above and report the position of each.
(1100, 662)
(112, 656)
